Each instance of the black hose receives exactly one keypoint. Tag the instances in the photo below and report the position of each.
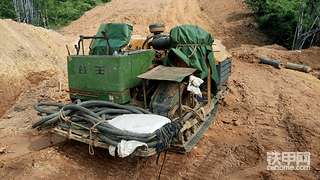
(51, 117)
(140, 109)
(50, 111)
(114, 111)
(107, 140)
(92, 112)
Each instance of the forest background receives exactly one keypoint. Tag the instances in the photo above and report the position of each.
(52, 14)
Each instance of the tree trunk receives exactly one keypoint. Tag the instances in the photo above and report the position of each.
(311, 30)
(26, 12)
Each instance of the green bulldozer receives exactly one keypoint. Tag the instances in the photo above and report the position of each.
(151, 74)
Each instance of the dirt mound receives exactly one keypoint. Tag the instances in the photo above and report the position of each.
(140, 14)
(250, 53)
(229, 21)
(28, 55)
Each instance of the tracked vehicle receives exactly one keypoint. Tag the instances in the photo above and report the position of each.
(142, 75)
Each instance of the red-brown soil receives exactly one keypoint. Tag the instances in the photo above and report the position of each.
(267, 110)
(28, 54)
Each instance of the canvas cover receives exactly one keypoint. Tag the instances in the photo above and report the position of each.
(119, 33)
(191, 35)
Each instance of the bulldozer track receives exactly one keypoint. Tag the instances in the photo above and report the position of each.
(202, 129)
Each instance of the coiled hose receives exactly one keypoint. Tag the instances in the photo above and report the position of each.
(94, 111)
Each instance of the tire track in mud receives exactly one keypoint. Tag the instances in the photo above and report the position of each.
(296, 131)
(206, 166)
(276, 116)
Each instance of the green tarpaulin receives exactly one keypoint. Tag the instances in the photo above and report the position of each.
(119, 33)
(189, 36)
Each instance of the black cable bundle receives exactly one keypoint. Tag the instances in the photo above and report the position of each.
(93, 112)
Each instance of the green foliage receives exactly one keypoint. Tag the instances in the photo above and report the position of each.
(7, 9)
(53, 13)
(256, 5)
(60, 12)
(277, 18)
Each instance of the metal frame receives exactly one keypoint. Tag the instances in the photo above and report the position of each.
(165, 73)
(83, 136)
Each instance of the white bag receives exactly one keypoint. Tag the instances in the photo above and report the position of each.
(194, 84)
(137, 123)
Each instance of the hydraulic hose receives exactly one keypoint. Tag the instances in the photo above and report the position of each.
(92, 112)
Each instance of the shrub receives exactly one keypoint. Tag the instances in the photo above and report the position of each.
(277, 18)
(7, 9)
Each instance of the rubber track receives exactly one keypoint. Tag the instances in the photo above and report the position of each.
(203, 129)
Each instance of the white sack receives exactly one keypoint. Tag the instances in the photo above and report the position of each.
(139, 123)
(125, 148)
(112, 150)
(193, 86)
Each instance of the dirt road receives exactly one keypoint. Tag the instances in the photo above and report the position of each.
(267, 110)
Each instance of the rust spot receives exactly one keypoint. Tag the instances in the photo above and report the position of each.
(126, 93)
(80, 91)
